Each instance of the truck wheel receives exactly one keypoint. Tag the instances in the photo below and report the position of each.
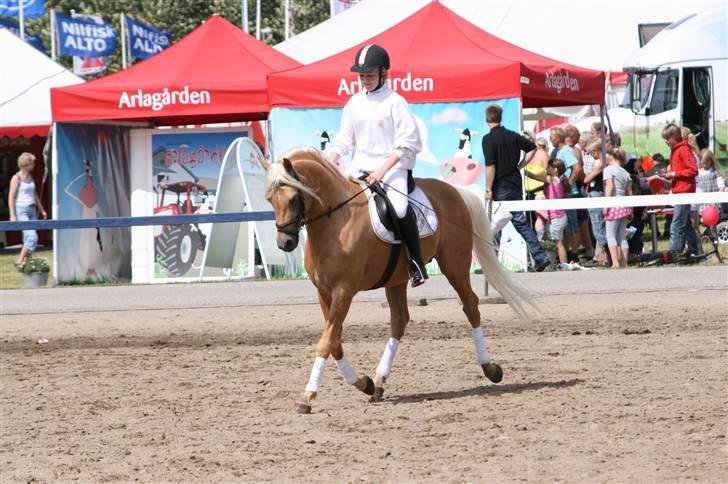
(177, 247)
(722, 229)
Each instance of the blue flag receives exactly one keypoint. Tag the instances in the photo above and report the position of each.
(31, 8)
(85, 38)
(144, 40)
(34, 40)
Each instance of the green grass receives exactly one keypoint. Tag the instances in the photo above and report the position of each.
(10, 277)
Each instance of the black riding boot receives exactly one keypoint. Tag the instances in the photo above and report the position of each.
(411, 238)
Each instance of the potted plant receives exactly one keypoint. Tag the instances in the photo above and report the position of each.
(35, 271)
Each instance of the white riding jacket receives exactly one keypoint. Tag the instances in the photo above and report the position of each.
(373, 126)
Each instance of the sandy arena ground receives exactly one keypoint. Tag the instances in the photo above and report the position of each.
(622, 380)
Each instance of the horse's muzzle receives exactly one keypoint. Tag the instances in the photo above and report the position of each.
(287, 242)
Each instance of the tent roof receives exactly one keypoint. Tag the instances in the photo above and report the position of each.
(699, 36)
(438, 56)
(590, 33)
(27, 76)
(216, 73)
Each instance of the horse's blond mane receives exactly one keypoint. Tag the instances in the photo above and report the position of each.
(277, 174)
(313, 154)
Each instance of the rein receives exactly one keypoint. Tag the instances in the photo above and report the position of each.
(300, 220)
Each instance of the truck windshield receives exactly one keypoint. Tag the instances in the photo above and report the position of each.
(664, 96)
(645, 85)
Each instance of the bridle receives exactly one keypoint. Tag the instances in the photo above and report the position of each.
(293, 226)
(298, 221)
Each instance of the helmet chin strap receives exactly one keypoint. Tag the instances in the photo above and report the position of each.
(381, 80)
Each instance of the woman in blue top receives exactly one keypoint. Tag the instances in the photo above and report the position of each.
(25, 204)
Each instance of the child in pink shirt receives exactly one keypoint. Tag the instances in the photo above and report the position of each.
(555, 186)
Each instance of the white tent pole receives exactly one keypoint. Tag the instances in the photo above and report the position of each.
(332, 8)
(21, 20)
(244, 15)
(53, 35)
(123, 40)
(257, 19)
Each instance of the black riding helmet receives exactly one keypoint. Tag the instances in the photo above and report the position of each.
(370, 57)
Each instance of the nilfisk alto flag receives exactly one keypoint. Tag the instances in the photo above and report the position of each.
(145, 40)
(85, 38)
(31, 8)
(33, 40)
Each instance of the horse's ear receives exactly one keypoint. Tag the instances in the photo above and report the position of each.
(264, 163)
(287, 165)
(473, 134)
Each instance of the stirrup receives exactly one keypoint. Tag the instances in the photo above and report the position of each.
(419, 275)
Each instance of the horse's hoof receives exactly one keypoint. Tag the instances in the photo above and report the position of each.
(378, 395)
(369, 388)
(301, 408)
(493, 372)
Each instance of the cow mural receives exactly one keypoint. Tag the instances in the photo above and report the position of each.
(461, 169)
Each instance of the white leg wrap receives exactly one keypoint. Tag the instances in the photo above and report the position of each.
(347, 371)
(481, 351)
(317, 374)
(385, 364)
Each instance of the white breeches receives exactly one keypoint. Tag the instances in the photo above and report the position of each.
(396, 187)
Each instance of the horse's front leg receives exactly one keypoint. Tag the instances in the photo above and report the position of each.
(399, 317)
(334, 308)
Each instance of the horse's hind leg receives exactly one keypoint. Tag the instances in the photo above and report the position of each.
(399, 317)
(458, 274)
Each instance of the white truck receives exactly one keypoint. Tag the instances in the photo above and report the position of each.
(679, 76)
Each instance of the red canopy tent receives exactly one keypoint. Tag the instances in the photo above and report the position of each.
(217, 73)
(438, 56)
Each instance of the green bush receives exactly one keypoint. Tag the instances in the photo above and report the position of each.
(35, 264)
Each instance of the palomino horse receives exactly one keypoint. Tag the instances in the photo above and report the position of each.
(343, 256)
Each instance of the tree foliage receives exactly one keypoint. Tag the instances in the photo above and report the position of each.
(180, 17)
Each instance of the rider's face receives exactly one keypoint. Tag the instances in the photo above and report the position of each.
(369, 79)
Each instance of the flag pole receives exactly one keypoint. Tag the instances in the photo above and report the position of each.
(53, 35)
(257, 19)
(123, 40)
(287, 30)
(21, 19)
(244, 15)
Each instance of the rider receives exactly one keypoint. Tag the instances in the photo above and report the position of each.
(378, 127)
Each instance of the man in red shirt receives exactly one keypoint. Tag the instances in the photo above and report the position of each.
(682, 172)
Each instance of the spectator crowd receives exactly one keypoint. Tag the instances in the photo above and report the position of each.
(577, 168)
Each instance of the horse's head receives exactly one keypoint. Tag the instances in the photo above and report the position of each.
(288, 194)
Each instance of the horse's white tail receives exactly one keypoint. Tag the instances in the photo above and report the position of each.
(515, 294)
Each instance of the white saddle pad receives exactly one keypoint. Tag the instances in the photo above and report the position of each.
(426, 217)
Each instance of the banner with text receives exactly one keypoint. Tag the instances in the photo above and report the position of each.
(145, 40)
(83, 37)
(34, 40)
(31, 8)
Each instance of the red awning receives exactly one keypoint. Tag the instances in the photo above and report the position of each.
(24, 131)
(216, 73)
(438, 56)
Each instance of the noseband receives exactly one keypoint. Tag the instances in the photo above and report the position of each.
(296, 222)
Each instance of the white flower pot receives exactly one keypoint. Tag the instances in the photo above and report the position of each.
(36, 279)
